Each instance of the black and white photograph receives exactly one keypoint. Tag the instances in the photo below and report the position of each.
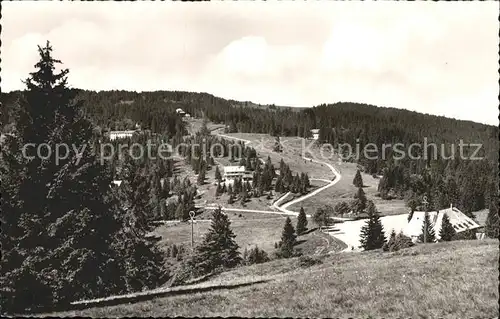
(249, 159)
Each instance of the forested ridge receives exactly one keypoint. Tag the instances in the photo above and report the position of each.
(343, 122)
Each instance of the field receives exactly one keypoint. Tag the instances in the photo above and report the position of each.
(445, 280)
(251, 229)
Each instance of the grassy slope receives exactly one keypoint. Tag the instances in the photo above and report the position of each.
(251, 229)
(449, 280)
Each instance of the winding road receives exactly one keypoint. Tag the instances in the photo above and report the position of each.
(284, 208)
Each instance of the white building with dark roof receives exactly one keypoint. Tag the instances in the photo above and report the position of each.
(315, 133)
(458, 220)
(233, 172)
(114, 135)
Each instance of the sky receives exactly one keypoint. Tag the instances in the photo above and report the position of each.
(432, 57)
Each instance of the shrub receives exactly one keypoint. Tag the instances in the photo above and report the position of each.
(256, 256)
(308, 261)
(397, 242)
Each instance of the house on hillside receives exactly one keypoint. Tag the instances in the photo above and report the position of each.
(116, 183)
(180, 111)
(233, 172)
(458, 220)
(315, 134)
(114, 135)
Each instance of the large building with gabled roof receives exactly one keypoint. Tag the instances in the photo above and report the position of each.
(458, 220)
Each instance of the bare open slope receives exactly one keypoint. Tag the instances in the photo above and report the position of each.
(447, 280)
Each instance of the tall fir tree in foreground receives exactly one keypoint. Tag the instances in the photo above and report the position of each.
(447, 232)
(372, 233)
(428, 229)
(60, 219)
(218, 249)
(358, 180)
(288, 240)
(301, 222)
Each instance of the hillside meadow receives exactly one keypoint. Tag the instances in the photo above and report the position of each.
(446, 280)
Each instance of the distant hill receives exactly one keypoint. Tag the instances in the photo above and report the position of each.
(271, 107)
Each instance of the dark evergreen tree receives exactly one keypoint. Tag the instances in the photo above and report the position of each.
(201, 175)
(397, 242)
(218, 175)
(218, 249)
(492, 223)
(139, 210)
(288, 240)
(392, 239)
(447, 231)
(256, 256)
(342, 208)
(359, 203)
(301, 221)
(63, 236)
(358, 180)
(230, 200)
(372, 233)
(428, 229)
(321, 217)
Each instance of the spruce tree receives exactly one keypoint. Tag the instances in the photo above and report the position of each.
(288, 240)
(428, 229)
(492, 224)
(359, 203)
(61, 225)
(372, 233)
(390, 242)
(218, 175)
(218, 249)
(201, 175)
(447, 231)
(301, 222)
(358, 180)
(230, 200)
(132, 195)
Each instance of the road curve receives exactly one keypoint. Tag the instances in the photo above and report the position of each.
(337, 178)
(284, 208)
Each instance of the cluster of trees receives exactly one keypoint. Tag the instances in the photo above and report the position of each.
(468, 185)
(149, 186)
(239, 190)
(287, 182)
(64, 233)
(262, 181)
(255, 256)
